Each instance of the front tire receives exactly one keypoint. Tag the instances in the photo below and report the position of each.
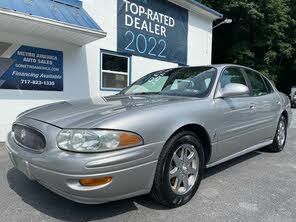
(280, 138)
(179, 170)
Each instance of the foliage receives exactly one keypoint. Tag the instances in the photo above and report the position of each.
(262, 36)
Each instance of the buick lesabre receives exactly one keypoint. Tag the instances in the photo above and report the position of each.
(156, 136)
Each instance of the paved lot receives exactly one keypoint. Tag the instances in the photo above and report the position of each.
(260, 186)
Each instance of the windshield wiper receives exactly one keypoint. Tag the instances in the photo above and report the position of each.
(146, 93)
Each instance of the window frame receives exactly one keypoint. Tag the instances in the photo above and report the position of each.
(265, 79)
(128, 73)
(262, 78)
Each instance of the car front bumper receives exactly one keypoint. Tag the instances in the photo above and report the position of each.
(132, 171)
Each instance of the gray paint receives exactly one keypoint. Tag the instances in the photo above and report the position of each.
(235, 125)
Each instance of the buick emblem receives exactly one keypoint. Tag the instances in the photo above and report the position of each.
(23, 135)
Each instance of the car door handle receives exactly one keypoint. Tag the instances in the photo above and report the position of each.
(252, 107)
(278, 102)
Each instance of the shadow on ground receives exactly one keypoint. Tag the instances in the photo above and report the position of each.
(57, 207)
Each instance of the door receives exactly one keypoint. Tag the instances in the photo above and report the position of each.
(235, 116)
(268, 107)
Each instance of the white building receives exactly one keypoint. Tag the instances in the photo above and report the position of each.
(52, 50)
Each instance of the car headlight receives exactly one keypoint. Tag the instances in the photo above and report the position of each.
(94, 141)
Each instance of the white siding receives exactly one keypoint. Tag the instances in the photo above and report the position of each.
(104, 13)
(199, 40)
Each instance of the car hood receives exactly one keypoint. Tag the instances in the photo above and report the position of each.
(85, 113)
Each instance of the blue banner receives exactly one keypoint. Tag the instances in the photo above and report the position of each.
(155, 29)
(30, 68)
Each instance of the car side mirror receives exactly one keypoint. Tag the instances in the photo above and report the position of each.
(233, 90)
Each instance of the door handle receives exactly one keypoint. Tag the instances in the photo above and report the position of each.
(278, 102)
(252, 107)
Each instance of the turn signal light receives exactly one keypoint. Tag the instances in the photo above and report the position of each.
(93, 182)
(127, 139)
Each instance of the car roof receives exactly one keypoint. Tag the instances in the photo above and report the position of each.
(220, 66)
(214, 66)
(226, 65)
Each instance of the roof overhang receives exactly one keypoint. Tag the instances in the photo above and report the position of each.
(17, 22)
(198, 8)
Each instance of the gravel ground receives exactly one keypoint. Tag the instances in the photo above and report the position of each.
(259, 186)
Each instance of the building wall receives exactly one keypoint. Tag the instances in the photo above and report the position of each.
(199, 40)
(76, 80)
(199, 43)
(81, 64)
(106, 17)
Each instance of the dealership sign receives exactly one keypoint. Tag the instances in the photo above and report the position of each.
(155, 29)
(30, 68)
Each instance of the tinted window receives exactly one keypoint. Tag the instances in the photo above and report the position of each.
(257, 83)
(114, 71)
(268, 85)
(115, 63)
(116, 81)
(232, 75)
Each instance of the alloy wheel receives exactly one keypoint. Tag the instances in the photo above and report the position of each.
(281, 133)
(184, 167)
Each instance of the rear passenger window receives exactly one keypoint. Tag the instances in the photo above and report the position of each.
(232, 75)
(257, 83)
(268, 85)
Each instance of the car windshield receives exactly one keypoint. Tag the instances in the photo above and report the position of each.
(193, 82)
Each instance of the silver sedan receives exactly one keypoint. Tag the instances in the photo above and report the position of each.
(156, 136)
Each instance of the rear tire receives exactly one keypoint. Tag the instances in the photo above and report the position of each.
(280, 138)
(179, 170)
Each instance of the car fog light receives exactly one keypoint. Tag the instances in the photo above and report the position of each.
(93, 182)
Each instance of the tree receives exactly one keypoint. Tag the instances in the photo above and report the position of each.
(262, 36)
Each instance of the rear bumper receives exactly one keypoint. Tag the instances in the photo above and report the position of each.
(132, 171)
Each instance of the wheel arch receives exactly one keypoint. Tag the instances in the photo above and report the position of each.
(202, 134)
(285, 115)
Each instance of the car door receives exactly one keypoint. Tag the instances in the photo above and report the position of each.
(235, 116)
(268, 106)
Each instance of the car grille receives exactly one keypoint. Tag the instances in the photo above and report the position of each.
(28, 137)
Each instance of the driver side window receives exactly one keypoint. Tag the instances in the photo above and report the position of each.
(232, 75)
